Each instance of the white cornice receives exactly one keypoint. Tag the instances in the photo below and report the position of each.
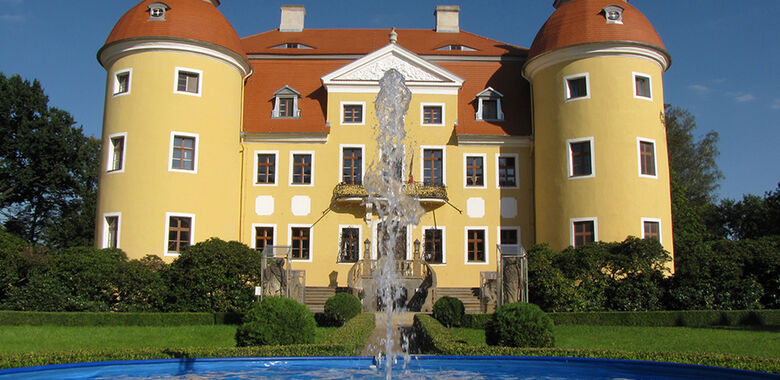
(110, 53)
(286, 137)
(367, 70)
(598, 49)
(495, 140)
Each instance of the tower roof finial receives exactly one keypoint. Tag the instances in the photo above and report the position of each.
(393, 36)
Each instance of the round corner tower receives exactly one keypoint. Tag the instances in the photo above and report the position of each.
(601, 164)
(170, 172)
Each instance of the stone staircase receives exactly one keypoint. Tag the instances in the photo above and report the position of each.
(469, 297)
(316, 296)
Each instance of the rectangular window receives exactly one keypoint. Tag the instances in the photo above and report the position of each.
(475, 171)
(116, 153)
(286, 107)
(301, 169)
(509, 236)
(432, 115)
(647, 158)
(122, 82)
(350, 245)
(642, 86)
(264, 236)
(112, 232)
(353, 113)
(580, 159)
(183, 156)
(179, 233)
(300, 242)
(576, 87)
(475, 245)
(266, 168)
(433, 250)
(433, 167)
(584, 232)
(507, 171)
(489, 109)
(188, 82)
(352, 166)
(651, 230)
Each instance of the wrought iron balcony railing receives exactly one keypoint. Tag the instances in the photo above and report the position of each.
(344, 191)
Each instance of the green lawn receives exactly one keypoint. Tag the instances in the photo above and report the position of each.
(59, 338)
(745, 342)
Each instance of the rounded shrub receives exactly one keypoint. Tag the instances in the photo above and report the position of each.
(342, 307)
(520, 325)
(276, 321)
(449, 311)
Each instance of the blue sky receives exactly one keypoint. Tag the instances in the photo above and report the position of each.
(725, 55)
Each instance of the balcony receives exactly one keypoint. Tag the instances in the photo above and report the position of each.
(424, 193)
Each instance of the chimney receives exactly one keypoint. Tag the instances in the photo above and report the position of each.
(447, 18)
(292, 18)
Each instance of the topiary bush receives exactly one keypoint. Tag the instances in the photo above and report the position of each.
(449, 311)
(276, 321)
(342, 307)
(520, 325)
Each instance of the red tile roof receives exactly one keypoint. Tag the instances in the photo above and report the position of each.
(188, 19)
(581, 21)
(304, 75)
(364, 41)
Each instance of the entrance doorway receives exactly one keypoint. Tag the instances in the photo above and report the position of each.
(383, 235)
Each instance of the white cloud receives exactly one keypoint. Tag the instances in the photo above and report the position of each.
(744, 98)
(699, 88)
(776, 104)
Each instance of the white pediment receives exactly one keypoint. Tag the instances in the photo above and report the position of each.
(367, 71)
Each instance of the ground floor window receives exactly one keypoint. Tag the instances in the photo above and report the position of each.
(475, 245)
(300, 242)
(350, 245)
(179, 233)
(433, 252)
(264, 236)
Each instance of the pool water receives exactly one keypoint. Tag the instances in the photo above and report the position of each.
(419, 367)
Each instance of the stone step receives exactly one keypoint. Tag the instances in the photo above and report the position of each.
(316, 296)
(469, 297)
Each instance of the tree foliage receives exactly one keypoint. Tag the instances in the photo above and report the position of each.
(752, 217)
(48, 167)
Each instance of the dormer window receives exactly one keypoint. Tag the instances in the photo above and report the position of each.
(157, 11)
(613, 14)
(489, 105)
(286, 103)
(291, 45)
(456, 47)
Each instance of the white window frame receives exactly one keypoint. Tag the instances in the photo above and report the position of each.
(253, 243)
(291, 165)
(168, 216)
(276, 167)
(361, 248)
(443, 149)
(110, 153)
(484, 170)
(443, 244)
(570, 166)
(118, 215)
(466, 245)
(639, 141)
(443, 114)
(192, 71)
(489, 94)
(566, 91)
(649, 85)
(595, 221)
(311, 241)
(515, 228)
(652, 220)
(362, 148)
(129, 73)
(196, 152)
(516, 156)
(363, 112)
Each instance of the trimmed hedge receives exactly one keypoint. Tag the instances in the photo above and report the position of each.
(38, 318)
(435, 338)
(347, 340)
(520, 324)
(690, 318)
(342, 307)
(276, 321)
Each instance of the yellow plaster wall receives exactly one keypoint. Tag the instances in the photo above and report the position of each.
(617, 195)
(146, 190)
(326, 232)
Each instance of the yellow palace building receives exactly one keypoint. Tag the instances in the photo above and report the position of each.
(266, 139)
